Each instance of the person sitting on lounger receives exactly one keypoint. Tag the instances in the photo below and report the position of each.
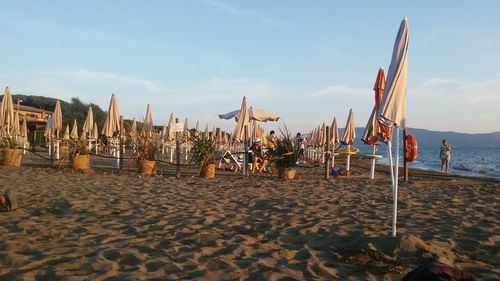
(257, 156)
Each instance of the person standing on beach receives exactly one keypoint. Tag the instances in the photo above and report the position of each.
(445, 155)
(301, 143)
(271, 141)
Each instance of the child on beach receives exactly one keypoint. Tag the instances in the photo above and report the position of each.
(445, 155)
(301, 143)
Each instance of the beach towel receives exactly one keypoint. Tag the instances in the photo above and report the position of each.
(438, 272)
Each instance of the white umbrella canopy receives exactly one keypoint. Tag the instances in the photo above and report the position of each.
(6, 111)
(57, 122)
(88, 125)
(66, 135)
(243, 120)
(186, 134)
(334, 132)
(392, 111)
(197, 128)
(16, 127)
(74, 131)
(349, 135)
(212, 135)
(322, 137)
(24, 128)
(48, 129)
(256, 114)
(148, 122)
(133, 129)
(171, 122)
(164, 132)
(95, 132)
(206, 134)
(112, 126)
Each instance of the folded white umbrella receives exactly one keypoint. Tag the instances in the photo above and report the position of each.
(243, 121)
(74, 131)
(112, 124)
(24, 128)
(392, 111)
(349, 136)
(57, 118)
(88, 125)
(66, 133)
(148, 122)
(6, 111)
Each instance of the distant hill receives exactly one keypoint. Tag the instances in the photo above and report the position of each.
(428, 138)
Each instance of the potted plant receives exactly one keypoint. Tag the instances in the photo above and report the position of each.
(286, 156)
(78, 153)
(203, 154)
(11, 154)
(145, 151)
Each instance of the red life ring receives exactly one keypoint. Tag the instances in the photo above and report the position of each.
(411, 148)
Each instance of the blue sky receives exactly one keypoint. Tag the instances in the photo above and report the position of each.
(307, 61)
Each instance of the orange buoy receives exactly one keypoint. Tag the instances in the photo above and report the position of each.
(411, 148)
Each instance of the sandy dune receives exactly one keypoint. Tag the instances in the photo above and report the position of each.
(119, 226)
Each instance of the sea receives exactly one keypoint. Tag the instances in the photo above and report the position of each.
(479, 162)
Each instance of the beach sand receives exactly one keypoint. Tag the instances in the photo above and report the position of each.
(107, 225)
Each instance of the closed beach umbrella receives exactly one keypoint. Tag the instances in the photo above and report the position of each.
(148, 122)
(24, 128)
(206, 134)
(88, 125)
(197, 129)
(349, 136)
(66, 133)
(186, 134)
(112, 124)
(334, 138)
(6, 111)
(322, 141)
(95, 132)
(74, 131)
(57, 122)
(170, 134)
(334, 133)
(164, 132)
(243, 120)
(212, 136)
(375, 130)
(16, 127)
(392, 111)
(133, 129)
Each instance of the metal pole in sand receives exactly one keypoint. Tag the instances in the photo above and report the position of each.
(405, 165)
(177, 151)
(245, 157)
(327, 155)
(372, 169)
(395, 188)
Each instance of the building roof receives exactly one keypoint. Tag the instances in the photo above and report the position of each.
(31, 108)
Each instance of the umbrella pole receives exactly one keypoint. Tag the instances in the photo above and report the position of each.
(395, 190)
(372, 170)
(348, 157)
(245, 158)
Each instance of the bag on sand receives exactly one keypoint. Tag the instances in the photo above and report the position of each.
(9, 200)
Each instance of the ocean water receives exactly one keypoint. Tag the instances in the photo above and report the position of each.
(482, 162)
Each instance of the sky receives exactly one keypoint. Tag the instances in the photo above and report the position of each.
(307, 61)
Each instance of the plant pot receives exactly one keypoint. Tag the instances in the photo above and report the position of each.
(286, 173)
(81, 162)
(147, 167)
(208, 171)
(12, 157)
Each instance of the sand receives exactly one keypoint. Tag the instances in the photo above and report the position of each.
(107, 225)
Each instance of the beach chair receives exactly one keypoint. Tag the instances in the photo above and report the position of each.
(230, 159)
